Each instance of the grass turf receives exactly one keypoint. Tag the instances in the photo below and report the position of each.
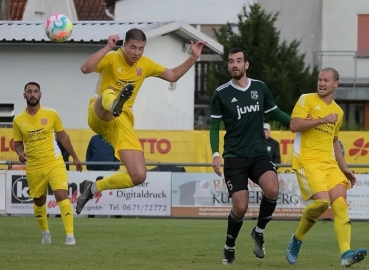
(145, 243)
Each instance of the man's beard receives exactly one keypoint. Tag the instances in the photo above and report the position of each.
(237, 77)
(33, 104)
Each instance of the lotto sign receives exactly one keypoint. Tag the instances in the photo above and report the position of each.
(152, 198)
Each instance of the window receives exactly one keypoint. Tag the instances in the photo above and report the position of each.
(39, 15)
(363, 35)
(6, 115)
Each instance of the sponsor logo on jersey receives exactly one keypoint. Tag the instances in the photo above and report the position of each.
(247, 109)
(43, 121)
(138, 71)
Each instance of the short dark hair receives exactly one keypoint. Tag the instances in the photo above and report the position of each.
(237, 50)
(32, 83)
(135, 34)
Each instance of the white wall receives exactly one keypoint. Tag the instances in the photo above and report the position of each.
(66, 89)
(307, 28)
(37, 10)
(156, 106)
(194, 12)
(340, 25)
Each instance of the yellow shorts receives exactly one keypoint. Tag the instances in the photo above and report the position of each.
(118, 132)
(54, 174)
(315, 178)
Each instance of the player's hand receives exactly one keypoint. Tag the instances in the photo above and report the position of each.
(22, 157)
(196, 48)
(216, 165)
(112, 41)
(350, 176)
(331, 118)
(78, 164)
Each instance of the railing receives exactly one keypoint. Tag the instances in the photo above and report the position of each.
(180, 164)
(201, 72)
(352, 66)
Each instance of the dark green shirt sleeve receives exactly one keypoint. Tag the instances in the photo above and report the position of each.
(216, 112)
(214, 134)
(280, 116)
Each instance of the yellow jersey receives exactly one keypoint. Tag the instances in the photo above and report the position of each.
(115, 72)
(37, 134)
(315, 145)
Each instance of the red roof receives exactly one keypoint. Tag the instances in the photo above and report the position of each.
(16, 9)
(87, 10)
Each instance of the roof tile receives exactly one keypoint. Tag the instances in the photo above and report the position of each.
(87, 10)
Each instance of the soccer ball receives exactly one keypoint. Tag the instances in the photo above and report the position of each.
(58, 28)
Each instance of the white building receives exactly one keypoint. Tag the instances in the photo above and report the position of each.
(26, 56)
(207, 15)
(332, 33)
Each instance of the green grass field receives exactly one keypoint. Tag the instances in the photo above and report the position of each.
(108, 243)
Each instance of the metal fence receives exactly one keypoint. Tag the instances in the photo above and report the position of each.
(180, 164)
(353, 66)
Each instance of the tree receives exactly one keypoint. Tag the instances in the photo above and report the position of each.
(277, 63)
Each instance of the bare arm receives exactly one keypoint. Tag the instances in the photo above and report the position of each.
(303, 124)
(90, 65)
(338, 153)
(65, 141)
(174, 74)
(19, 147)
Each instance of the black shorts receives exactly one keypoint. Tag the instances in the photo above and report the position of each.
(237, 171)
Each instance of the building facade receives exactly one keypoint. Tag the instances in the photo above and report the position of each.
(160, 105)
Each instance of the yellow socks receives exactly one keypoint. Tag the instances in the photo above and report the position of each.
(116, 181)
(342, 224)
(41, 216)
(66, 213)
(108, 97)
(309, 217)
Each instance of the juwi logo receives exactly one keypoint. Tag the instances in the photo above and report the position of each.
(360, 148)
(247, 109)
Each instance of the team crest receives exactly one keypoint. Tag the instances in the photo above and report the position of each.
(138, 71)
(43, 121)
(254, 95)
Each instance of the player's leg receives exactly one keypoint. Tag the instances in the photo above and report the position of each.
(39, 209)
(110, 103)
(37, 184)
(338, 185)
(129, 150)
(264, 174)
(235, 174)
(133, 160)
(58, 179)
(312, 183)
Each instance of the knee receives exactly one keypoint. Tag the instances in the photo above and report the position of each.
(39, 201)
(239, 210)
(138, 177)
(60, 195)
(272, 192)
(322, 205)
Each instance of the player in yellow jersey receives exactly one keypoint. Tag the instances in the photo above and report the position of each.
(109, 114)
(34, 142)
(321, 170)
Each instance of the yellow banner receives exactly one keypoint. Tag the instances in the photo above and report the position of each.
(194, 146)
